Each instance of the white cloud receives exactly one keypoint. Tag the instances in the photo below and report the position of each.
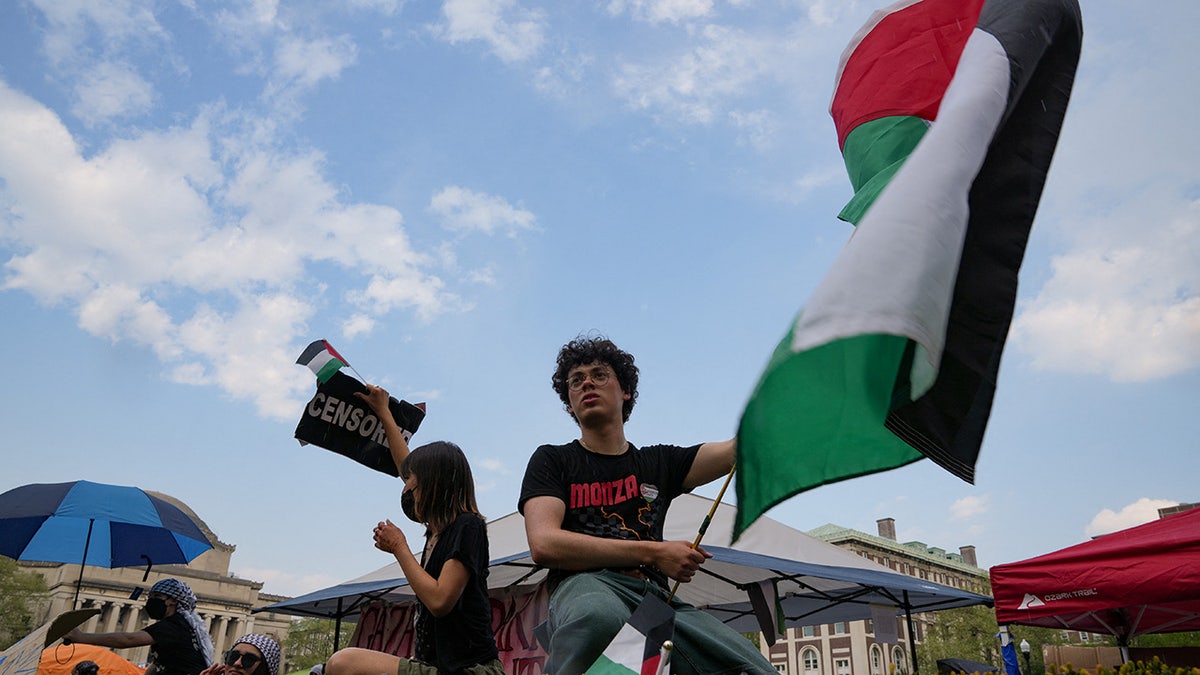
(235, 351)
(1128, 310)
(192, 240)
(68, 23)
(496, 466)
(307, 62)
(968, 507)
(120, 311)
(387, 7)
(110, 90)
(757, 127)
(513, 33)
(356, 325)
(817, 180)
(249, 20)
(463, 210)
(657, 11)
(485, 276)
(823, 12)
(407, 291)
(1123, 300)
(695, 86)
(1142, 511)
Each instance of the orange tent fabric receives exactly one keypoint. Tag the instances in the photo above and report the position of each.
(60, 659)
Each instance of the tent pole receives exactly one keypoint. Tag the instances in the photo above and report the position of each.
(337, 627)
(86, 543)
(912, 635)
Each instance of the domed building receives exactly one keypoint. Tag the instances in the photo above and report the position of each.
(224, 601)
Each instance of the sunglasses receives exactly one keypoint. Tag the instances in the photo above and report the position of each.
(248, 660)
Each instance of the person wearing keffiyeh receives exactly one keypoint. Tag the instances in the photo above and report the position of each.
(178, 640)
(252, 654)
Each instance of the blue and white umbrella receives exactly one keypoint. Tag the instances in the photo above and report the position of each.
(96, 524)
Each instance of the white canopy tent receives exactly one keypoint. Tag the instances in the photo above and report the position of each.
(817, 582)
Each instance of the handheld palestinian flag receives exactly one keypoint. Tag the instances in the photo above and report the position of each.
(947, 112)
(768, 609)
(322, 359)
(643, 645)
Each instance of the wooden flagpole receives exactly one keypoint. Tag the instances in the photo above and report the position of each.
(706, 523)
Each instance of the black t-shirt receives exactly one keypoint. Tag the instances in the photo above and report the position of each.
(176, 649)
(463, 637)
(622, 496)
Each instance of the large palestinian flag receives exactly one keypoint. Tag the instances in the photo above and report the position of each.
(947, 112)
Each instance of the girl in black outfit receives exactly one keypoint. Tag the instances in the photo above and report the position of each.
(453, 627)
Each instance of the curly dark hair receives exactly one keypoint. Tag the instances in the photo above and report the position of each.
(586, 350)
(447, 487)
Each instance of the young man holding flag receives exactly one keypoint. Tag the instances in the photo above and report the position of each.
(594, 511)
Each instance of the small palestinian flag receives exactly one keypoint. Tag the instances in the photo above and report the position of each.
(947, 113)
(768, 609)
(322, 359)
(643, 645)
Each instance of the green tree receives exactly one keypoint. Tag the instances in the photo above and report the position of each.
(310, 641)
(1187, 639)
(22, 594)
(970, 633)
(963, 633)
(1036, 637)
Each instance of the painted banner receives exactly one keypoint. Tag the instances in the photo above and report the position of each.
(23, 657)
(388, 627)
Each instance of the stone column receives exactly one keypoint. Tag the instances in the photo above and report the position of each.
(217, 632)
(131, 618)
(114, 614)
(92, 625)
(208, 627)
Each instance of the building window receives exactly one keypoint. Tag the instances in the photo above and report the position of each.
(870, 623)
(898, 660)
(809, 631)
(876, 660)
(811, 663)
(841, 666)
(780, 668)
(1083, 637)
(839, 628)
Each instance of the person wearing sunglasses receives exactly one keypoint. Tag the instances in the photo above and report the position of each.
(453, 628)
(178, 639)
(252, 654)
(594, 513)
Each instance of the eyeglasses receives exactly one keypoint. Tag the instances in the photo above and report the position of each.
(248, 660)
(599, 377)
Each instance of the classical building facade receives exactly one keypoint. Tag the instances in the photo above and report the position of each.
(223, 600)
(850, 648)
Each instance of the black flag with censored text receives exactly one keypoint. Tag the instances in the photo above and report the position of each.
(339, 421)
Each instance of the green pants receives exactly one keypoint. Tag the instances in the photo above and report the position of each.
(587, 610)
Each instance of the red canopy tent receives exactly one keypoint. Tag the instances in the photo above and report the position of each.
(1145, 579)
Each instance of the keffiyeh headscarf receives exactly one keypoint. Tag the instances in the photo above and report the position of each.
(185, 601)
(266, 645)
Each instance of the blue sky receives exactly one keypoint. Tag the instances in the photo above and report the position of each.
(448, 191)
